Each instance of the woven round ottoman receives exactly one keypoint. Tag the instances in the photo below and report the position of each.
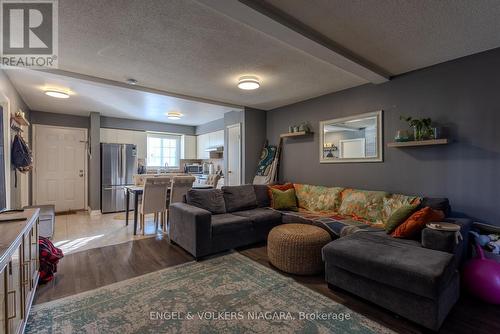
(296, 248)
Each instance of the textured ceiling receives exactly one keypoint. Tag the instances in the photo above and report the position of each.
(186, 47)
(109, 100)
(401, 36)
(183, 47)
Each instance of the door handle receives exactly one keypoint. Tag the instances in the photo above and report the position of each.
(81, 173)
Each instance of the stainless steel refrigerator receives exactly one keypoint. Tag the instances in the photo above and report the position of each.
(118, 164)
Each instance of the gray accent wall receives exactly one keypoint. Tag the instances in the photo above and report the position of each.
(254, 138)
(94, 178)
(132, 124)
(213, 126)
(462, 96)
(54, 119)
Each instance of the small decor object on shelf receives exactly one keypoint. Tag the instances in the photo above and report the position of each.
(421, 127)
(403, 136)
(303, 127)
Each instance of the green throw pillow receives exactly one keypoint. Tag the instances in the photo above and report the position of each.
(284, 200)
(398, 217)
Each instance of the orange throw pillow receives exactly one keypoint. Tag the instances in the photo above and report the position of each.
(416, 223)
(282, 187)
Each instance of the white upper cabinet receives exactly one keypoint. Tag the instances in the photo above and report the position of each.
(188, 147)
(116, 136)
(202, 143)
(208, 140)
(217, 139)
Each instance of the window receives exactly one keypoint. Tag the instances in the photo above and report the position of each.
(163, 150)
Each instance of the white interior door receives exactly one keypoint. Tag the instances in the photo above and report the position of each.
(233, 153)
(352, 148)
(60, 167)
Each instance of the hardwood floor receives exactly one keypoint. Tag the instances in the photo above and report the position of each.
(469, 315)
(78, 231)
(97, 267)
(90, 269)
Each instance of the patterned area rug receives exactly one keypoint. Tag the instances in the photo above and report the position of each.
(227, 294)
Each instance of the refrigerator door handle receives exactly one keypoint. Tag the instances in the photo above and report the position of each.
(119, 162)
(124, 163)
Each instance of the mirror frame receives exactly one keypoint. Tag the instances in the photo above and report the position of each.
(380, 132)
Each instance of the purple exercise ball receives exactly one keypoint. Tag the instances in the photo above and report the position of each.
(482, 278)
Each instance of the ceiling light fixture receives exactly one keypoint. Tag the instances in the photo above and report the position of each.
(174, 115)
(57, 94)
(248, 82)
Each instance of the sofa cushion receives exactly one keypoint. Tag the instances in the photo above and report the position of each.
(239, 197)
(362, 203)
(281, 187)
(261, 217)
(395, 201)
(284, 199)
(229, 223)
(209, 199)
(393, 262)
(398, 217)
(414, 225)
(317, 198)
(262, 195)
(436, 203)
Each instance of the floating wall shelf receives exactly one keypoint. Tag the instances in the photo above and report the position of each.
(296, 134)
(419, 143)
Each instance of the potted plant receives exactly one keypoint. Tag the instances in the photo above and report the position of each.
(421, 127)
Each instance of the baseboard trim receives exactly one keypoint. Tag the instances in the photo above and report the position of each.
(94, 212)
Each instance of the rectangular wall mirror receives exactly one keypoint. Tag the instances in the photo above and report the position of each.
(356, 138)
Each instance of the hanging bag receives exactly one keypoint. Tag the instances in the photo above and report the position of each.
(21, 156)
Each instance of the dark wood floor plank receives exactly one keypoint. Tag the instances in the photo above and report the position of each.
(98, 267)
(93, 268)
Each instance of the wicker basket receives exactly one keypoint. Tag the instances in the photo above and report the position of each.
(296, 248)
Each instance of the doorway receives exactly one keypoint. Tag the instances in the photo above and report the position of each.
(60, 173)
(234, 155)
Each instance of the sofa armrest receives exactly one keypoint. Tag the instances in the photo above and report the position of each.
(446, 241)
(190, 228)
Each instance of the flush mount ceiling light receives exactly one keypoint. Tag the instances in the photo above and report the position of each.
(248, 82)
(174, 115)
(57, 94)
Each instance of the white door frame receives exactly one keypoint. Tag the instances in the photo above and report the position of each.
(85, 168)
(7, 143)
(238, 125)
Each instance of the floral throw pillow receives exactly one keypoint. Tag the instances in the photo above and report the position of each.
(317, 198)
(396, 201)
(363, 203)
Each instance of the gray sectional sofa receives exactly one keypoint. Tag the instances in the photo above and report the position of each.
(215, 220)
(417, 279)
